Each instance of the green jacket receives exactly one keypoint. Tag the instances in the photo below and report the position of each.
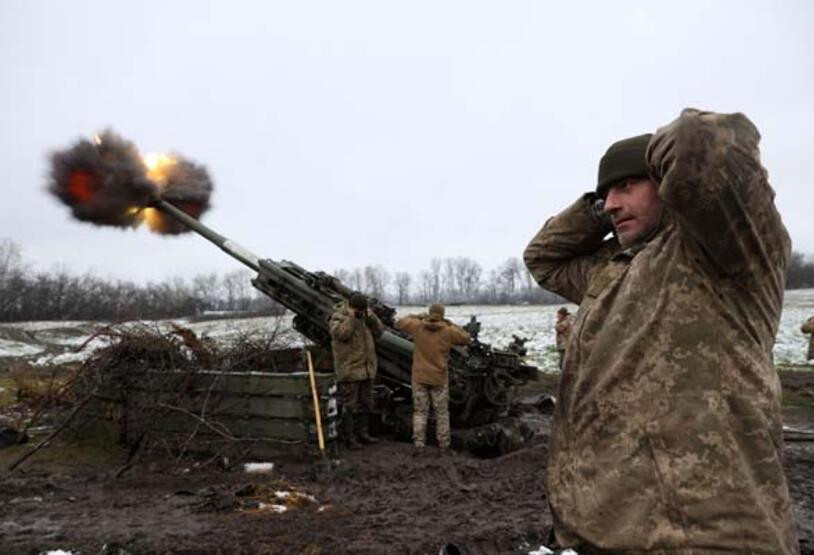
(353, 344)
(668, 433)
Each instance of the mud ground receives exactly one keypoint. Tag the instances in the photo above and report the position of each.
(379, 500)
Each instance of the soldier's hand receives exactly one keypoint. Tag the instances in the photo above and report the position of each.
(598, 211)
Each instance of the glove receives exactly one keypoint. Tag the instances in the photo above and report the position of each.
(597, 208)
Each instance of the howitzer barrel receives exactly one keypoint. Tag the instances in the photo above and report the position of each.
(235, 250)
(280, 282)
(480, 377)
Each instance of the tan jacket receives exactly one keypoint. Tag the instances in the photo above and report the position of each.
(668, 433)
(433, 338)
(353, 344)
(808, 328)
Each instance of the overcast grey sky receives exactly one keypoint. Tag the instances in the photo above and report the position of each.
(341, 134)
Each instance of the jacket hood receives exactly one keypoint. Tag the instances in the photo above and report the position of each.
(434, 326)
(434, 322)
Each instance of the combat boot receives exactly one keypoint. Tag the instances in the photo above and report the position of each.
(347, 434)
(363, 429)
(419, 450)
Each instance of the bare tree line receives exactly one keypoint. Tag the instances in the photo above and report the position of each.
(59, 295)
(452, 280)
(800, 273)
(463, 280)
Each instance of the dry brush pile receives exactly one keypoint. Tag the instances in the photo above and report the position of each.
(159, 389)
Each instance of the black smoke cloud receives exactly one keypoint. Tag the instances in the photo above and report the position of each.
(102, 182)
(188, 187)
(105, 182)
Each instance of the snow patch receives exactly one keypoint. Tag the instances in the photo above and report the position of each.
(294, 495)
(48, 325)
(273, 507)
(18, 349)
(54, 341)
(259, 468)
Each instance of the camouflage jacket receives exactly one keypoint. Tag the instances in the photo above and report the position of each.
(563, 329)
(353, 344)
(433, 339)
(668, 433)
(808, 328)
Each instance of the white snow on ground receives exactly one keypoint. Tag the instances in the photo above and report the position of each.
(47, 325)
(63, 358)
(273, 507)
(258, 468)
(18, 349)
(791, 344)
(54, 342)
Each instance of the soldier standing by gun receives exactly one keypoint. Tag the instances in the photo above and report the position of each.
(562, 327)
(354, 328)
(433, 337)
(808, 329)
(668, 432)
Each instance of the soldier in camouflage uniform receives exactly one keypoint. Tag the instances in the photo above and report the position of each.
(433, 337)
(808, 328)
(668, 434)
(562, 327)
(354, 328)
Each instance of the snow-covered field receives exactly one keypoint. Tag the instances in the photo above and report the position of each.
(54, 342)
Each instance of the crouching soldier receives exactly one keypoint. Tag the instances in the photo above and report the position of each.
(354, 328)
(433, 337)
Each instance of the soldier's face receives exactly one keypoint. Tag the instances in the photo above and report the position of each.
(635, 209)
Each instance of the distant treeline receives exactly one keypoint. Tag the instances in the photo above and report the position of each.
(455, 280)
(59, 295)
(800, 273)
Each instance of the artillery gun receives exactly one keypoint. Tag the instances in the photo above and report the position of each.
(481, 378)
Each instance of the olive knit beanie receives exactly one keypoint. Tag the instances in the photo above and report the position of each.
(358, 301)
(623, 159)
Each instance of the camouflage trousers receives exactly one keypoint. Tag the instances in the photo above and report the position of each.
(355, 397)
(422, 396)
